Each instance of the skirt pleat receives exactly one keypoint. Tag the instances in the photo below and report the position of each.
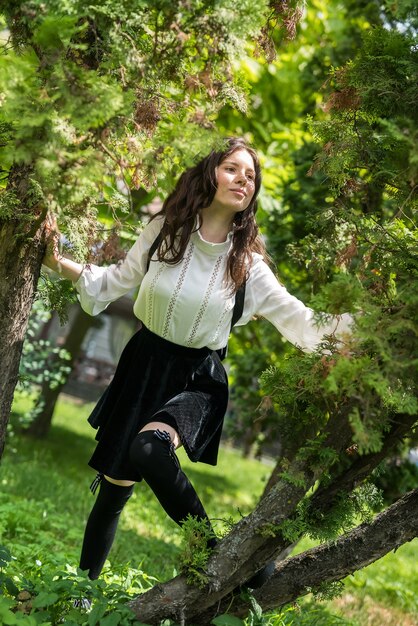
(157, 380)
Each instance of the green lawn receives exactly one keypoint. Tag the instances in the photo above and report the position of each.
(45, 500)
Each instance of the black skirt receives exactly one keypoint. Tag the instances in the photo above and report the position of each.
(157, 380)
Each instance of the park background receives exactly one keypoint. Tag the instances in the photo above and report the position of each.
(326, 92)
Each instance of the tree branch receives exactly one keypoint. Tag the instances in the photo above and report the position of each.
(332, 561)
(362, 467)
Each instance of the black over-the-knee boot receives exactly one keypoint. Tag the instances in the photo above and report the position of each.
(101, 526)
(153, 455)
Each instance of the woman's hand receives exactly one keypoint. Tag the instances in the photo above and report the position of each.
(53, 258)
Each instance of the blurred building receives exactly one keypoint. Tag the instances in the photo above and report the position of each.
(105, 337)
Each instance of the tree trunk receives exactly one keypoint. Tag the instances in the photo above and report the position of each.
(22, 248)
(48, 397)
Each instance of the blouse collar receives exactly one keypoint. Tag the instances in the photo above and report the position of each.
(210, 247)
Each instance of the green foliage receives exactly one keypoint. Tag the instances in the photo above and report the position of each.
(56, 295)
(37, 354)
(346, 512)
(301, 407)
(9, 617)
(41, 362)
(328, 591)
(391, 89)
(46, 595)
(255, 614)
(295, 478)
(127, 91)
(269, 530)
(9, 205)
(342, 293)
(336, 118)
(195, 550)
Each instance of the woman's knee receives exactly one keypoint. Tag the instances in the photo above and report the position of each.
(142, 450)
(161, 426)
(152, 451)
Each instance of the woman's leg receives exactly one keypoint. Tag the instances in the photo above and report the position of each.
(152, 453)
(102, 523)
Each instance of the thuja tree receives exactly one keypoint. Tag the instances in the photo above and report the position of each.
(90, 94)
(341, 411)
(296, 195)
(285, 92)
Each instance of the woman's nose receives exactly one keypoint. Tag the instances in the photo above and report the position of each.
(241, 177)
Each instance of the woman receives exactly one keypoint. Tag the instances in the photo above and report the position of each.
(191, 263)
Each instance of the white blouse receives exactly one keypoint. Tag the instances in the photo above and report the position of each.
(189, 303)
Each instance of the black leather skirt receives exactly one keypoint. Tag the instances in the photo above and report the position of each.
(157, 380)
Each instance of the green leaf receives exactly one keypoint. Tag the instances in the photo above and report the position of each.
(97, 613)
(6, 616)
(9, 585)
(45, 599)
(55, 31)
(113, 619)
(5, 556)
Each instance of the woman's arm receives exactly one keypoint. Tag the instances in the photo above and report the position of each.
(292, 318)
(98, 286)
(65, 267)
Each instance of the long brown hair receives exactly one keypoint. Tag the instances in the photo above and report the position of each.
(194, 191)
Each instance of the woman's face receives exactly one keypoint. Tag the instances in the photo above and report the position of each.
(236, 182)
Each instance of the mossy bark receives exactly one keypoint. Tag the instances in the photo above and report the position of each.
(22, 248)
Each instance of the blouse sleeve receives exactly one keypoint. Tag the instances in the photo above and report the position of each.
(295, 321)
(98, 286)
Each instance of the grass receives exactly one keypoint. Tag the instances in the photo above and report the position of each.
(45, 501)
